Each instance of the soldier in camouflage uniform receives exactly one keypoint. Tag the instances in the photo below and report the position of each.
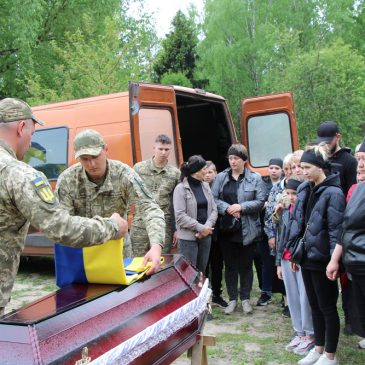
(160, 179)
(98, 185)
(27, 198)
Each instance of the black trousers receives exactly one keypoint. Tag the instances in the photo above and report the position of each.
(238, 262)
(215, 268)
(322, 296)
(357, 313)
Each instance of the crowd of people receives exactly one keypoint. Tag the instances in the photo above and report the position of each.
(312, 198)
(301, 226)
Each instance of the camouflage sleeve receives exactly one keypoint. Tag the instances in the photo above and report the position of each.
(35, 200)
(270, 226)
(63, 194)
(153, 216)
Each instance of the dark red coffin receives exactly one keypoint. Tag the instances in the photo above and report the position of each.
(149, 322)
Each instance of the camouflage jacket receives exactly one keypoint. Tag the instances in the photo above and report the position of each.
(27, 198)
(121, 188)
(161, 182)
(277, 193)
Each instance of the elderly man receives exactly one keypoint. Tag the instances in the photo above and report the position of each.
(27, 198)
(98, 185)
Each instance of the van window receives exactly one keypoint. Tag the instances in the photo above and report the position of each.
(48, 152)
(153, 122)
(270, 130)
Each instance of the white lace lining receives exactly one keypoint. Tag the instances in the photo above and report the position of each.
(160, 331)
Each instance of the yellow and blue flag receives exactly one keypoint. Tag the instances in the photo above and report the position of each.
(101, 264)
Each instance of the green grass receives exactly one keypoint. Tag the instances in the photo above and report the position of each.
(260, 338)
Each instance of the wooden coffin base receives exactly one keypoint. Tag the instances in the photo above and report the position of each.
(152, 321)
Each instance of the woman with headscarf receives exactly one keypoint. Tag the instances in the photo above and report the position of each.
(240, 195)
(195, 212)
(317, 216)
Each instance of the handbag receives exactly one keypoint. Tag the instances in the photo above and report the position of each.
(229, 223)
(297, 249)
(100, 264)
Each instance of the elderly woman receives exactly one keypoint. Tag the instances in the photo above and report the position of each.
(240, 195)
(195, 213)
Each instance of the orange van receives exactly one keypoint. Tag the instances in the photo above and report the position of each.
(197, 121)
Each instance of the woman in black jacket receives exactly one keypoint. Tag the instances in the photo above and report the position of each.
(352, 249)
(318, 215)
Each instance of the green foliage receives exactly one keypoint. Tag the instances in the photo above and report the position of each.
(89, 64)
(250, 46)
(175, 78)
(178, 52)
(328, 84)
(68, 49)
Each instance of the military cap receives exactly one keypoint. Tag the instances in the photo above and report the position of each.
(12, 110)
(88, 142)
(326, 132)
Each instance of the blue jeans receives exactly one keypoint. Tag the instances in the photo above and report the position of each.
(197, 252)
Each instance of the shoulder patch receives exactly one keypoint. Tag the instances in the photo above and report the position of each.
(142, 186)
(44, 190)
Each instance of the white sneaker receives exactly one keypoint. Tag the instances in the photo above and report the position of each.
(246, 306)
(296, 340)
(312, 357)
(324, 360)
(305, 346)
(232, 304)
(362, 344)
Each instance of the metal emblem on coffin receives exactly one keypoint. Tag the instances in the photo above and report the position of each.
(85, 358)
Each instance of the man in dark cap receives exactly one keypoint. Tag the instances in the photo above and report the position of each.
(341, 158)
(27, 198)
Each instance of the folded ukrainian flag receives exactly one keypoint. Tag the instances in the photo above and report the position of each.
(101, 264)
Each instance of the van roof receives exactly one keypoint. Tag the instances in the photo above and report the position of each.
(197, 92)
(180, 89)
(77, 101)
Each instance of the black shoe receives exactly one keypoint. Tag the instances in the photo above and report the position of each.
(219, 302)
(286, 312)
(264, 299)
(348, 330)
(282, 301)
(210, 317)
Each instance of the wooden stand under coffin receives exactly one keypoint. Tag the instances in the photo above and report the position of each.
(153, 321)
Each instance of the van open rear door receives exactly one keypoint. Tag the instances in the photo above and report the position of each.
(152, 112)
(268, 129)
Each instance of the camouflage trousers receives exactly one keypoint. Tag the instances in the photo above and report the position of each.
(141, 242)
(9, 265)
(127, 246)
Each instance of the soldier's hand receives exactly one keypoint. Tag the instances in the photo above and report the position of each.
(154, 256)
(122, 223)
